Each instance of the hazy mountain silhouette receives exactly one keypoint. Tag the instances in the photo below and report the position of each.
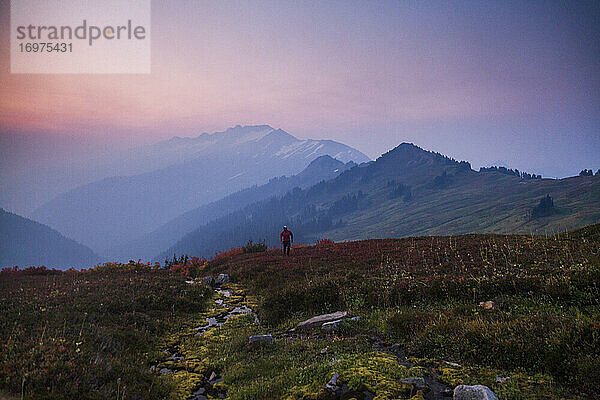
(145, 246)
(407, 191)
(25, 243)
(208, 167)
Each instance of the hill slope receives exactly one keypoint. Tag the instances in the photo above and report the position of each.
(24, 242)
(209, 167)
(145, 246)
(407, 191)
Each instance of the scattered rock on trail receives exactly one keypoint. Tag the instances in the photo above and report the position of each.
(318, 321)
(417, 383)
(331, 326)
(267, 339)
(336, 386)
(221, 279)
(452, 364)
(334, 326)
(476, 392)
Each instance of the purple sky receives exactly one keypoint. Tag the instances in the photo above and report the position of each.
(516, 83)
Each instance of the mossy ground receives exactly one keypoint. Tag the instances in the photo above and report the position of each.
(298, 366)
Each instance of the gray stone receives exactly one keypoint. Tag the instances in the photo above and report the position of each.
(318, 321)
(417, 383)
(164, 371)
(476, 392)
(354, 319)
(452, 364)
(208, 280)
(502, 379)
(221, 279)
(332, 385)
(332, 326)
(268, 339)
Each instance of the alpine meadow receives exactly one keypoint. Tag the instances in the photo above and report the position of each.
(263, 200)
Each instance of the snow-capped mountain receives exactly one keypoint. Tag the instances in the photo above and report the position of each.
(190, 172)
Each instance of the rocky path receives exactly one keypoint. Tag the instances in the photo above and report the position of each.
(229, 303)
(175, 360)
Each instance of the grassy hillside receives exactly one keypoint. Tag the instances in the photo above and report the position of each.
(90, 335)
(424, 293)
(25, 243)
(131, 331)
(406, 192)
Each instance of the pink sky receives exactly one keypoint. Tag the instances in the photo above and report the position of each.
(370, 74)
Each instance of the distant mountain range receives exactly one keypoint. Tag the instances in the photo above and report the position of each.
(190, 172)
(145, 246)
(25, 243)
(407, 191)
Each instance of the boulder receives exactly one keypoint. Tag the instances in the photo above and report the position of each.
(221, 279)
(268, 339)
(476, 392)
(318, 321)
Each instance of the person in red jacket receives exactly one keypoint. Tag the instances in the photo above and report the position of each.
(287, 238)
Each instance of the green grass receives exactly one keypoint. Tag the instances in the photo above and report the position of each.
(424, 293)
(95, 334)
(91, 335)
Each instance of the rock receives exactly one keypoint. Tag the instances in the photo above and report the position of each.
(354, 319)
(502, 379)
(487, 305)
(208, 280)
(398, 350)
(213, 376)
(324, 350)
(476, 392)
(332, 384)
(452, 364)
(337, 387)
(221, 279)
(268, 339)
(417, 383)
(164, 371)
(318, 321)
(332, 326)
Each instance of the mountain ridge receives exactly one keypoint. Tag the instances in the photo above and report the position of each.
(25, 242)
(106, 212)
(144, 246)
(407, 191)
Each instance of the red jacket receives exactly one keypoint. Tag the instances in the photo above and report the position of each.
(286, 236)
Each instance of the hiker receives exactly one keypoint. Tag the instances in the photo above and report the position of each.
(287, 238)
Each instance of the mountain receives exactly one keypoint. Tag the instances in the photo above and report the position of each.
(407, 191)
(25, 243)
(145, 246)
(203, 169)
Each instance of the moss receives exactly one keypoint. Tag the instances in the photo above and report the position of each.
(185, 382)
(419, 396)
